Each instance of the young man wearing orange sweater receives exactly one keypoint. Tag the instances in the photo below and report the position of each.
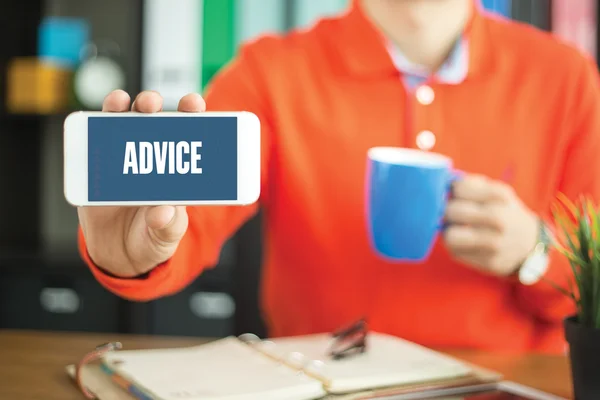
(512, 106)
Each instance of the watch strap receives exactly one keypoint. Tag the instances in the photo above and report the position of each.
(535, 266)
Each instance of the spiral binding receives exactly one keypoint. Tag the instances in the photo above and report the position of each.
(295, 359)
(345, 342)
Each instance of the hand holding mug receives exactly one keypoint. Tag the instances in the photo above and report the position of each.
(488, 226)
(410, 202)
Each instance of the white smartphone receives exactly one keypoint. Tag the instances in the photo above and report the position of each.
(174, 158)
(505, 390)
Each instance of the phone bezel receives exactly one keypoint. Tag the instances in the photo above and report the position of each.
(76, 158)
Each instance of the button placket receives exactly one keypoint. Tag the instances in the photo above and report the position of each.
(425, 138)
(425, 95)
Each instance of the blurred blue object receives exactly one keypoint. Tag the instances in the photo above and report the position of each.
(502, 7)
(61, 39)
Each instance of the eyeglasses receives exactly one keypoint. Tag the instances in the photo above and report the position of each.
(349, 341)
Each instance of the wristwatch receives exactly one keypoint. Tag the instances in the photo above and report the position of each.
(536, 264)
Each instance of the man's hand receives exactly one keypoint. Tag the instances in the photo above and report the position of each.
(489, 227)
(129, 241)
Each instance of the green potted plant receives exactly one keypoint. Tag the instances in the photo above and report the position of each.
(577, 237)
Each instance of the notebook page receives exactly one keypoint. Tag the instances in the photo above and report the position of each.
(226, 369)
(388, 361)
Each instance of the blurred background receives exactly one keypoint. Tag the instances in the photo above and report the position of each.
(57, 56)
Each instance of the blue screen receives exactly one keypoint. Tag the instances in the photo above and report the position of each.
(162, 158)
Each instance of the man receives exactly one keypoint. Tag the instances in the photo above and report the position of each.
(514, 108)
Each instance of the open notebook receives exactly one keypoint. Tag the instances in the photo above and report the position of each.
(295, 368)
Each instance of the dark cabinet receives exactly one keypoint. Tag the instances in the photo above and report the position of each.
(54, 298)
(205, 308)
(199, 310)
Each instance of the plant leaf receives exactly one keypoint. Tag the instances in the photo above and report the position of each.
(562, 290)
(570, 205)
(559, 214)
(578, 240)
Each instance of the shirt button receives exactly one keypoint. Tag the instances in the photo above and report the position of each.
(425, 95)
(425, 140)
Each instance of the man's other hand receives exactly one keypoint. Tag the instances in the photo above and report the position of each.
(488, 226)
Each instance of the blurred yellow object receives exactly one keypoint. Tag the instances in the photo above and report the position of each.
(37, 87)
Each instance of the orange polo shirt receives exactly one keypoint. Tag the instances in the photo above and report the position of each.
(528, 112)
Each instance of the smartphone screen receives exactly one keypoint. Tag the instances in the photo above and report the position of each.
(184, 158)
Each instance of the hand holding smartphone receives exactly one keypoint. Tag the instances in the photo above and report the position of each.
(131, 170)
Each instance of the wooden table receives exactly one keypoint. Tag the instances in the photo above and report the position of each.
(32, 364)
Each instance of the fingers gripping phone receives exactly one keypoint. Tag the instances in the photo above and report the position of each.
(174, 158)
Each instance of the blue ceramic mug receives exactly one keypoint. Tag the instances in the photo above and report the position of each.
(407, 193)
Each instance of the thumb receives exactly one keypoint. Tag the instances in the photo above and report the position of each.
(167, 224)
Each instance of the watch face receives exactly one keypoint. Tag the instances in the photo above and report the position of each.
(95, 79)
(534, 268)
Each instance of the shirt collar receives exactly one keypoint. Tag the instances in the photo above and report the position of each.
(364, 52)
(453, 71)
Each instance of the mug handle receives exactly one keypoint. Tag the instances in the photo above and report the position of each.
(455, 175)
